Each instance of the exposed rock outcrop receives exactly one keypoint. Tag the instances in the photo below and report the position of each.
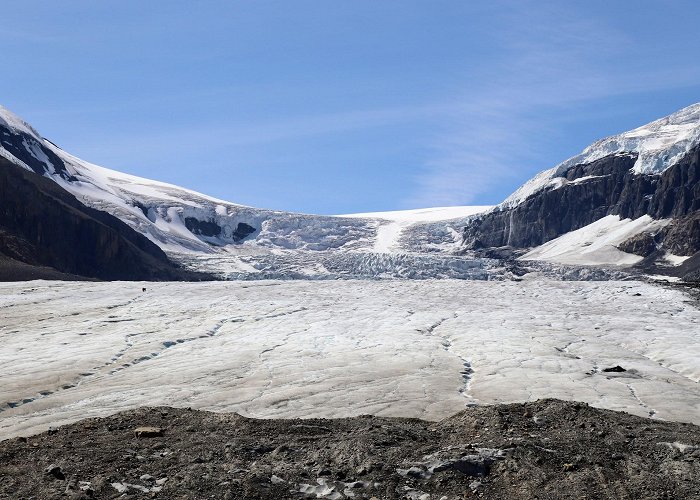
(587, 192)
(41, 224)
(32, 153)
(643, 244)
(210, 228)
(682, 236)
(202, 227)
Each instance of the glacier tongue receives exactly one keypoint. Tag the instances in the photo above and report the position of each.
(335, 349)
(325, 265)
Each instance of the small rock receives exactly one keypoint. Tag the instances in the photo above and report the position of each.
(474, 485)
(283, 448)
(276, 480)
(263, 448)
(356, 485)
(146, 477)
(414, 472)
(120, 487)
(368, 467)
(614, 369)
(56, 472)
(362, 470)
(568, 467)
(71, 485)
(539, 420)
(148, 432)
(473, 465)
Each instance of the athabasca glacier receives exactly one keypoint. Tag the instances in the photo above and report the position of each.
(338, 348)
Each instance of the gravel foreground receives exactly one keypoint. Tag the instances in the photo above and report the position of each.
(544, 449)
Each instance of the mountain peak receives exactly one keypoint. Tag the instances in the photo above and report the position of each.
(16, 124)
(658, 145)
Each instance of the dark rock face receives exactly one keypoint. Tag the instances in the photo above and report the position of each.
(690, 269)
(21, 144)
(643, 244)
(243, 230)
(682, 236)
(41, 224)
(553, 212)
(203, 228)
(546, 449)
(144, 209)
(15, 270)
(212, 229)
(613, 189)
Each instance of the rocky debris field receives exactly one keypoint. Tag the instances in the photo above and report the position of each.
(544, 449)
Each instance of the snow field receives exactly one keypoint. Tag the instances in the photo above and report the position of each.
(596, 244)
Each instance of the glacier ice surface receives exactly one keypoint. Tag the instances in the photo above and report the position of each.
(410, 348)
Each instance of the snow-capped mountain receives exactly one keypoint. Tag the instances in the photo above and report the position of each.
(656, 147)
(237, 241)
(629, 199)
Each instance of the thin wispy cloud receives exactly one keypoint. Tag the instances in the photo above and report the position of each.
(16, 35)
(194, 136)
(361, 107)
(548, 65)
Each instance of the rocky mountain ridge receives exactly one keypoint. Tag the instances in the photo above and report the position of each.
(645, 172)
(651, 172)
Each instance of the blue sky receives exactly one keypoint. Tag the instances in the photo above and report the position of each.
(333, 106)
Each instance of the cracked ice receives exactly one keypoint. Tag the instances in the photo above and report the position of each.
(426, 349)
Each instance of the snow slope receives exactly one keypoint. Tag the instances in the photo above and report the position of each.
(14, 123)
(659, 145)
(423, 214)
(394, 223)
(340, 348)
(596, 244)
